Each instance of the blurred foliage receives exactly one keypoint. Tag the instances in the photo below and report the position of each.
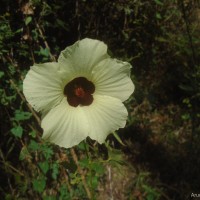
(161, 40)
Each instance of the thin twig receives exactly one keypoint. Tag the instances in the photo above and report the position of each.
(62, 157)
(8, 165)
(11, 167)
(110, 182)
(75, 158)
(67, 179)
(23, 99)
(16, 66)
(45, 42)
(78, 19)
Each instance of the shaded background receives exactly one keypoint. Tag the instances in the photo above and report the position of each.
(160, 158)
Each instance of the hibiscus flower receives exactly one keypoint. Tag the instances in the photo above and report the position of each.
(81, 95)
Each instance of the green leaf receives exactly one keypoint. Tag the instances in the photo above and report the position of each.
(20, 30)
(82, 146)
(151, 192)
(33, 134)
(44, 52)
(49, 198)
(17, 131)
(64, 193)
(186, 116)
(28, 20)
(115, 156)
(158, 16)
(44, 166)
(187, 88)
(24, 153)
(47, 151)
(39, 184)
(158, 2)
(20, 115)
(118, 138)
(62, 24)
(33, 145)
(84, 163)
(93, 181)
(97, 167)
(1, 74)
(55, 172)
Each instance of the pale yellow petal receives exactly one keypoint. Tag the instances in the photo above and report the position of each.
(112, 78)
(43, 86)
(105, 115)
(82, 56)
(65, 125)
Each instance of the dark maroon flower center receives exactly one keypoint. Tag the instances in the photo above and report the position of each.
(79, 92)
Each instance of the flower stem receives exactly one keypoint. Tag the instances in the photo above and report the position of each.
(75, 158)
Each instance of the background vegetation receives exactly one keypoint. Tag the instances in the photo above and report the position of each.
(160, 155)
